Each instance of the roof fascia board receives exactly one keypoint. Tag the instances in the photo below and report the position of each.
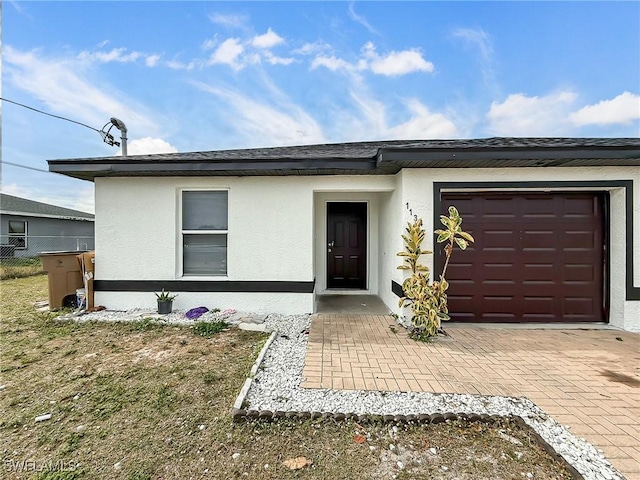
(45, 215)
(558, 153)
(102, 168)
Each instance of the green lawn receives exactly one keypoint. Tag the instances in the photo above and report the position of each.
(19, 267)
(142, 401)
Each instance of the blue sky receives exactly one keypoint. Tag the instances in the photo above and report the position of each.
(193, 76)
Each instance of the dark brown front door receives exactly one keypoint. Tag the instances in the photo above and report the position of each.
(537, 257)
(346, 245)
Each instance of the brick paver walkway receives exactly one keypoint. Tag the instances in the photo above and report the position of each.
(586, 379)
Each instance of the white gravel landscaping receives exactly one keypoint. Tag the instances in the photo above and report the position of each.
(276, 386)
(177, 317)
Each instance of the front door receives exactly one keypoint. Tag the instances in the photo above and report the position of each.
(347, 245)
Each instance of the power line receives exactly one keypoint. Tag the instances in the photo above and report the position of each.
(50, 114)
(24, 166)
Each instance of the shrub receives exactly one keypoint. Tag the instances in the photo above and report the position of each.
(428, 299)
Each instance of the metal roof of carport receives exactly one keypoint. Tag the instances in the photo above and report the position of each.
(364, 158)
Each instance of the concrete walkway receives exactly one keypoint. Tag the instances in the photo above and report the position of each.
(588, 380)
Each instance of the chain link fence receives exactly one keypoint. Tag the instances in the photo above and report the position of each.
(20, 255)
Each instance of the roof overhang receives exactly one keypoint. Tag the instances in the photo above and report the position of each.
(89, 169)
(366, 158)
(510, 157)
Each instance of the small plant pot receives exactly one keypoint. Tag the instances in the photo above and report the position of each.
(165, 306)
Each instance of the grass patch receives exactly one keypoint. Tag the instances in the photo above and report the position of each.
(20, 267)
(212, 377)
(141, 403)
(139, 475)
(59, 475)
(209, 329)
(165, 398)
(145, 324)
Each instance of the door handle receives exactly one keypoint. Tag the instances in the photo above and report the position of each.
(331, 243)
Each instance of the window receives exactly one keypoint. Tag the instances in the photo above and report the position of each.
(18, 234)
(204, 232)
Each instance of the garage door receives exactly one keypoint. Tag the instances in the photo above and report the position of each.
(538, 257)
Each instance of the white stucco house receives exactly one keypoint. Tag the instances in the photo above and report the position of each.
(556, 223)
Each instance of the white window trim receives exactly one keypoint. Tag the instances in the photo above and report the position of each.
(180, 243)
(20, 235)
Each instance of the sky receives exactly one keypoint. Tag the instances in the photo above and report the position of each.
(199, 76)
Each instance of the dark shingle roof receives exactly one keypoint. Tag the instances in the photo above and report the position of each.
(10, 205)
(381, 157)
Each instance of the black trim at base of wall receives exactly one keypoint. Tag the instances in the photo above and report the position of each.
(203, 286)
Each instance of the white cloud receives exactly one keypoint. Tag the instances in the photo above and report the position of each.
(20, 8)
(332, 63)
(360, 19)
(424, 124)
(238, 53)
(228, 53)
(119, 55)
(80, 197)
(229, 20)
(177, 65)
(478, 38)
(149, 145)
(370, 114)
(399, 63)
(114, 55)
(264, 124)
(367, 118)
(521, 115)
(65, 86)
(311, 48)
(152, 60)
(481, 41)
(209, 43)
(267, 40)
(623, 109)
(276, 60)
(391, 64)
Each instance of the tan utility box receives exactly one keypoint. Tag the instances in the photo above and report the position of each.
(65, 277)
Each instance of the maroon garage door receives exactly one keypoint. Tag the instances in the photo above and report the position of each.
(538, 257)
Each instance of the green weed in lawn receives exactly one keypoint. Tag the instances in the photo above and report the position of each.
(165, 398)
(72, 442)
(60, 475)
(211, 377)
(208, 329)
(139, 475)
(145, 324)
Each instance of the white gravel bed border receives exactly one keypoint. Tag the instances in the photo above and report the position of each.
(275, 387)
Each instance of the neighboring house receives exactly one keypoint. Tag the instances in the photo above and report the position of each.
(28, 228)
(556, 223)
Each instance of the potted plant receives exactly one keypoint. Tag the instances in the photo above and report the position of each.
(165, 302)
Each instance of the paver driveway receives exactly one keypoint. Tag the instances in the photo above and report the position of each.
(588, 380)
